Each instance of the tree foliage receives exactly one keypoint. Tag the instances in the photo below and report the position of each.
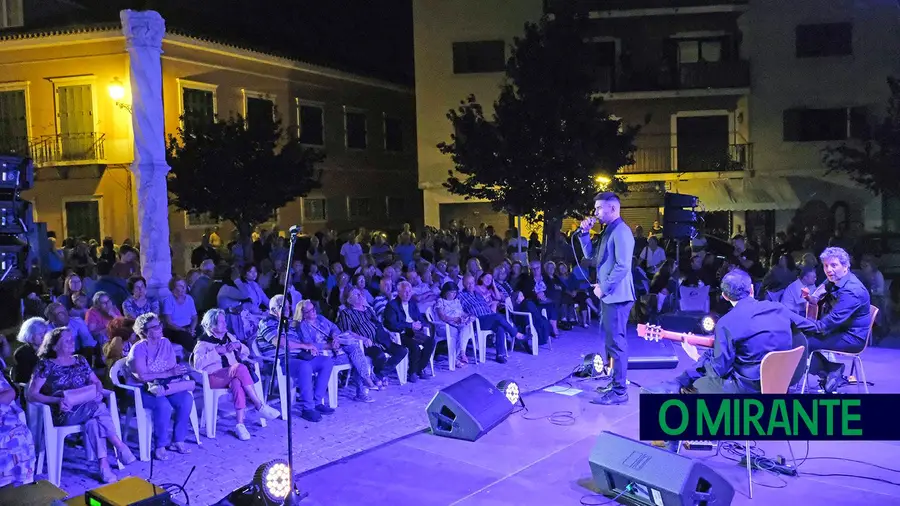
(540, 153)
(239, 174)
(873, 161)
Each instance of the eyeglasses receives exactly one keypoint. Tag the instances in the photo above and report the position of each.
(153, 327)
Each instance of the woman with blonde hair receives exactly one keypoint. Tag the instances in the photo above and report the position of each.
(31, 334)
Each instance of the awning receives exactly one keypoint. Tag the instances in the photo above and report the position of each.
(757, 194)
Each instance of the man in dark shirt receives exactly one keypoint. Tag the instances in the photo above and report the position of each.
(742, 338)
(845, 327)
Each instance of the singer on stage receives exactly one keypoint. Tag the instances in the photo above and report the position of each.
(614, 287)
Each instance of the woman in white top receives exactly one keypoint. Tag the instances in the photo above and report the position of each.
(179, 314)
(449, 310)
(653, 256)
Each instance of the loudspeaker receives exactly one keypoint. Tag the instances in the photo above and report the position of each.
(468, 409)
(658, 477)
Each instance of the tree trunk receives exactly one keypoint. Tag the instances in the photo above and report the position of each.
(552, 243)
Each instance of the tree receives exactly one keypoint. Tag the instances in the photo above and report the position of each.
(873, 160)
(239, 174)
(549, 139)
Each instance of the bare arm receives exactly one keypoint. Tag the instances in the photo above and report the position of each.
(33, 394)
(142, 372)
(7, 395)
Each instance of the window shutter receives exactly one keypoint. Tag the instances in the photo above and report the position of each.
(793, 121)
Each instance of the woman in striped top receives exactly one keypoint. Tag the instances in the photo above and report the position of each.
(359, 318)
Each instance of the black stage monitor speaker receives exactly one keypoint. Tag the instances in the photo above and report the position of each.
(468, 409)
(657, 477)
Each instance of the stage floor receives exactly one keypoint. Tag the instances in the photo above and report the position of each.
(531, 460)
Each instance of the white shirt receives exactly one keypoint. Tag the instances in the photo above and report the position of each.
(792, 297)
(655, 258)
(405, 306)
(351, 254)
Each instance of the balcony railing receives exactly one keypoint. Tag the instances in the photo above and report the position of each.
(614, 5)
(60, 148)
(687, 76)
(659, 160)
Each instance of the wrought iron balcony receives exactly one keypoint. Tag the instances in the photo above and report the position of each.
(735, 157)
(687, 76)
(614, 5)
(61, 148)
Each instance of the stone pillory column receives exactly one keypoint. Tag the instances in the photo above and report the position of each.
(144, 31)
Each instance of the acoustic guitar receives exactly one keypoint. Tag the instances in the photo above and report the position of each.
(815, 306)
(656, 332)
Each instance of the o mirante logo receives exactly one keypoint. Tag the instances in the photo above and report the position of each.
(761, 417)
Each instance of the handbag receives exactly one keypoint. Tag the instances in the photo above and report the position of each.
(168, 386)
(77, 396)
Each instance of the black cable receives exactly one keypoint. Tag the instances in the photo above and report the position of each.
(563, 418)
(854, 460)
(171, 488)
(608, 501)
(873, 478)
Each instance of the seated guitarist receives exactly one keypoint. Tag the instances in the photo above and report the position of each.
(743, 337)
(845, 326)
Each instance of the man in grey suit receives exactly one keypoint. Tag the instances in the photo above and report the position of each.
(614, 288)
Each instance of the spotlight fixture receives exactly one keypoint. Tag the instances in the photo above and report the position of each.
(274, 481)
(511, 390)
(708, 324)
(592, 365)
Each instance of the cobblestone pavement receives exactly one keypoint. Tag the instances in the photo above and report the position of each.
(225, 463)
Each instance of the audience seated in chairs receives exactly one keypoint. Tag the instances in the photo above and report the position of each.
(344, 347)
(31, 335)
(360, 318)
(103, 310)
(403, 317)
(223, 357)
(475, 305)
(138, 303)
(17, 460)
(153, 365)
(536, 288)
(59, 372)
(121, 339)
(305, 360)
(85, 344)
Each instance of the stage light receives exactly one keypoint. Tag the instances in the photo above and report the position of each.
(708, 324)
(274, 480)
(511, 390)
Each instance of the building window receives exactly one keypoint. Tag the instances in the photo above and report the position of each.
(199, 107)
(808, 125)
(13, 122)
(260, 113)
(11, 13)
(479, 57)
(355, 127)
(393, 134)
(314, 210)
(201, 220)
(396, 208)
(830, 39)
(700, 50)
(359, 207)
(311, 124)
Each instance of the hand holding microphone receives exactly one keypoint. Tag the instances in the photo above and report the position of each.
(588, 223)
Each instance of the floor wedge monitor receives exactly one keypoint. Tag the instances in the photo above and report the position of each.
(468, 409)
(645, 474)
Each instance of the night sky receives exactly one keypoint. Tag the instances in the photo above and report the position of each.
(372, 37)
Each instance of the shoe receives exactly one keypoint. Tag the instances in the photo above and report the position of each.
(412, 378)
(425, 375)
(666, 387)
(242, 433)
(161, 454)
(501, 359)
(107, 476)
(268, 412)
(834, 381)
(604, 389)
(324, 409)
(311, 415)
(127, 457)
(364, 398)
(179, 448)
(611, 398)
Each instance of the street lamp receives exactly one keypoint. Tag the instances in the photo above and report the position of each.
(116, 92)
(602, 181)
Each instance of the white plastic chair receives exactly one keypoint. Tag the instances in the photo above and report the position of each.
(694, 298)
(530, 325)
(143, 416)
(481, 336)
(211, 398)
(403, 367)
(442, 333)
(55, 436)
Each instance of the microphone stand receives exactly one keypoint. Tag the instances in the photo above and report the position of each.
(294, 496)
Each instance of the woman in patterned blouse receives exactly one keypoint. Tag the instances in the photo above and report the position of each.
(16, 444)
(449, 310)
(138, 303)
(359, 318)
(61, 370)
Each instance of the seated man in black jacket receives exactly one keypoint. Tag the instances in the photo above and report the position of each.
(742, 338)
(845, 324)
(404, 317)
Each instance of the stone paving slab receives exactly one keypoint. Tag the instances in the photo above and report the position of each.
(225, 463)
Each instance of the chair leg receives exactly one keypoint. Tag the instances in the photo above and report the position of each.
(333, 389)
(52, 450)
(195, 422)
(209, 414)
(451, 351)
(862, 374)
(403, 370)
(806, 374)
(144, 435)
(282, 395)
(749, 467)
